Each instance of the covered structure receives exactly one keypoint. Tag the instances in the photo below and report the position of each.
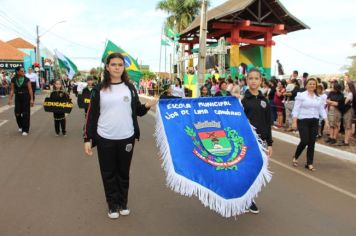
(245, 23)
(10, 57)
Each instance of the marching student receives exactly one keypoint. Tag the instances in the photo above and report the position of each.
(21, 87)
(88, 89)
(258, 112)
(59, 118)
(112, 125)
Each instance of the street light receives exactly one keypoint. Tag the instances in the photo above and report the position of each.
(38, 57)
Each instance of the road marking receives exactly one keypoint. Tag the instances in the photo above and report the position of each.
(3, 122)
(6, 107)
(322, 182)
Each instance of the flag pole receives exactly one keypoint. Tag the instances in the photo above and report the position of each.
(160, 57)
(101, 62)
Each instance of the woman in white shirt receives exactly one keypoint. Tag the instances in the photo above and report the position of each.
(112, 125)
(307, 109)
(177, 89)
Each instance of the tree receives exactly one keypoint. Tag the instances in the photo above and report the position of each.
(181, 12)
(352, 68)
(147, 75)
(181, 15)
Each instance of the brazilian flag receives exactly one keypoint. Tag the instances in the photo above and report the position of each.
(131, 65)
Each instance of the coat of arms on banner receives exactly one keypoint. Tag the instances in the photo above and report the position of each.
(221, 148)
(210, 150)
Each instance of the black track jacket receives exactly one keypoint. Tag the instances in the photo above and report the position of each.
(258, 112)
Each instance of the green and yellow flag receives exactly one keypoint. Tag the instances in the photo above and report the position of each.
(131, 64)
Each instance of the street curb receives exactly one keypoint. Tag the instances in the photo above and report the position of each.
(333, 152)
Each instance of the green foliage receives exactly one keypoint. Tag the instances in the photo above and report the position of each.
(148, 75)
(181, 12)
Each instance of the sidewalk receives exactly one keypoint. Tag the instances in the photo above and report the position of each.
(347, 153)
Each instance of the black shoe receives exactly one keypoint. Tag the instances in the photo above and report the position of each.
(328, 140)
(253, 208)
(343, 144)
(333, 141)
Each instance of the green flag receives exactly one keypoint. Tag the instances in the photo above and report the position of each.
(170, 32)
(165, 42)
(65, 63)
(131, 64)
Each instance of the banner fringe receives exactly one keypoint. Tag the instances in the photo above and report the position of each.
(180, 184)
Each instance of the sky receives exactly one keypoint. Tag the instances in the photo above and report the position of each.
(136, 27)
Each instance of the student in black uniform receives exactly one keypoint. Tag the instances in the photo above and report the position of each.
(87, 89)
(21, 87)
(258, 112)
(59, 118)
(112, 125)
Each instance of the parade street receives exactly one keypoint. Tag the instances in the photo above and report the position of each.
(49, 187)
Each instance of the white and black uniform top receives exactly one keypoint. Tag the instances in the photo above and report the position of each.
(33, 78)
(115, 120)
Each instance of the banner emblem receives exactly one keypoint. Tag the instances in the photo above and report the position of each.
(214, 147)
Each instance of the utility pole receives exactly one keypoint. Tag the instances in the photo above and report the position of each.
(170, 65)
(202, 46)
(38, 56)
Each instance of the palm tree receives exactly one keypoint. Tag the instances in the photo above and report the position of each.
(181, 15)
(181, 12)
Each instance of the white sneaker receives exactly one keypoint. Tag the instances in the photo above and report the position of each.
(20, 130)
(125, 212)
(113, 214)
(24, 134)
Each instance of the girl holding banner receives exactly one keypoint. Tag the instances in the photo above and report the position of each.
(112, 125)
(21, 87)
(59, 117)
(258, 112)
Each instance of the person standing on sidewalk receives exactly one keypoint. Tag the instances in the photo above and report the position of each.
(34, 81)
(348, 112)
(289, 97)
(112, 125)
(258, 112)
(335, 102)
(307, 109)
(21, 87)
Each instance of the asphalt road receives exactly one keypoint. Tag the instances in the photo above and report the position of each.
(49, 187)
